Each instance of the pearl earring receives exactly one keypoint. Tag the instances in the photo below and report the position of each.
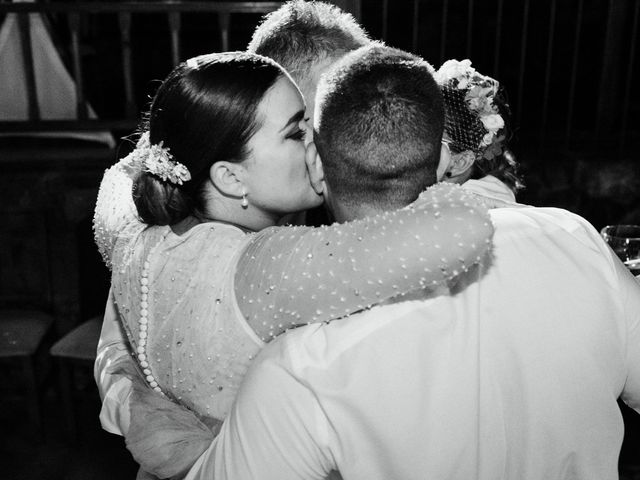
(245, 202)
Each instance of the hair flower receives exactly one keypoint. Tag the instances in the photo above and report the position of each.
(462, 83)
(493, 150)
(157, 160)
(453, 69)
(492, 122)
(487, 139)
(471, 113)
(476, 103)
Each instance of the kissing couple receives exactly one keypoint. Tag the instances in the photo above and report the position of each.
(456, 327)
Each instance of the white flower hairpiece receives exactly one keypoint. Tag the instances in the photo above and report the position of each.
(157, 160)
(481, 91)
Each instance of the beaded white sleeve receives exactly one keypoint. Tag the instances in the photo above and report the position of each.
(297, 275)
(115, 216)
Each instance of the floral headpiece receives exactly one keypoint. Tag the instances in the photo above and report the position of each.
(472, 119)
(157, 160)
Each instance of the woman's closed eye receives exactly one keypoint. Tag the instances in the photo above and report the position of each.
(297, 135)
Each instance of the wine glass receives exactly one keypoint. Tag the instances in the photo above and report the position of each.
(624, 240)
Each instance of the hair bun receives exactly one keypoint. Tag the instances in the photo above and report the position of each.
(160, 202)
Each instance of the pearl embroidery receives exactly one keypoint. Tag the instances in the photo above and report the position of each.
(143, 320)
(330, 272)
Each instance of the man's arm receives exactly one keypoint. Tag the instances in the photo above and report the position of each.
(115, 389)
(276, 430)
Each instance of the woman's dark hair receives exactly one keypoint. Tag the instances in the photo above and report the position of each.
(204, 112)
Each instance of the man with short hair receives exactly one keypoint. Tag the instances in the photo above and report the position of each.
(394, 119)
(514, 373)
(306, 38)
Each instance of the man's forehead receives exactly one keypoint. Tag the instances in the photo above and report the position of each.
(309, 80)
(309, 84)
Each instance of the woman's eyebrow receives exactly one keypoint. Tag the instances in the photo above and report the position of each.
(297, 117)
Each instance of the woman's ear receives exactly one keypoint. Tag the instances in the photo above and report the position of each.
(461, 163)
(314, 167)
(445, 161)
(227, 178)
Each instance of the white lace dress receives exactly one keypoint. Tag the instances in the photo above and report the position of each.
(197, 307)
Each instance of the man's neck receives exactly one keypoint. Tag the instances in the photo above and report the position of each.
(346, 213)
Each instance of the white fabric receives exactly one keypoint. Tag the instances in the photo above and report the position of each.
(114, 390)
(514, 376)
(55, 88)
(491, 188)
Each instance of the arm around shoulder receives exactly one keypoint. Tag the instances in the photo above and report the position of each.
(297, 275)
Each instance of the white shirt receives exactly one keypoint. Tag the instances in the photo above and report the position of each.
(515, 375)
(491, 188)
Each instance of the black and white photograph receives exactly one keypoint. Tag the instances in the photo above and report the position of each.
(314, 239)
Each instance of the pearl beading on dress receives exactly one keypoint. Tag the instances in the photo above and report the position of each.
(143, 321)
(115, 217)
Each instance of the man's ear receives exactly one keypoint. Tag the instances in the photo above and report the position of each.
(227, 178)
(314, 167)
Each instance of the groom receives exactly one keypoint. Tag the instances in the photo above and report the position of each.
(513, 374)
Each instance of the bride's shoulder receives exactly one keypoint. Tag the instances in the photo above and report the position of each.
(216, 235)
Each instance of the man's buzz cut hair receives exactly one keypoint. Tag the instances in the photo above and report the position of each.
(379, 122)
(301, 34)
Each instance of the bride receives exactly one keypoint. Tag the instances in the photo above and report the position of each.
(201, 275)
